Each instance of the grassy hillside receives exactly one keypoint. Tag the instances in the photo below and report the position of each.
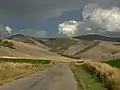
(25, 50)
(83, 49)
(89, 47)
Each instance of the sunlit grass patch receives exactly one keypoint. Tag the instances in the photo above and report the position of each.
(114, 63)
(85, 81)
(25, 61)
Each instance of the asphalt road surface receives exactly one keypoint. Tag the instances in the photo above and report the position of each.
(59, 77)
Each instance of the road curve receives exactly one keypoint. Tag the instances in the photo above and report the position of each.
(59, 77)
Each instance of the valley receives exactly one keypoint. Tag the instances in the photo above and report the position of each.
(59, 62)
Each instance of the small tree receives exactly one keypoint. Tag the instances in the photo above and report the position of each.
(5, 42)
(10, 45)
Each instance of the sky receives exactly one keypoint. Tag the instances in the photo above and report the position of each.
(43, 18)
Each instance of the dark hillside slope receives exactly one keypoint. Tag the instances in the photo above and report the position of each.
(21, 38)
(97, 37)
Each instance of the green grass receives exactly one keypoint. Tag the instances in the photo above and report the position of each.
(25, 61)
(86, 81)
(114, 63)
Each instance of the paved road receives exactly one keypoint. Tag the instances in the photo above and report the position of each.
(59, 77)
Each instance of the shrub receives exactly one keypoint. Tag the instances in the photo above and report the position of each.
(7, 43)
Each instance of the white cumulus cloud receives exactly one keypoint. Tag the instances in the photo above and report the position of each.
(68, 28)
(73, 28)
(98, 19)
(103, 18)
(5, 31)
(8, 29)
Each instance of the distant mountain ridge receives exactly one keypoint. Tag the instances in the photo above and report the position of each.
(83, 37)
(97, 37)
(17, 35)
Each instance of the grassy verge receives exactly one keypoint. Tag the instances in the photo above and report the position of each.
(108, 75)
(11, 69)
(85, 81)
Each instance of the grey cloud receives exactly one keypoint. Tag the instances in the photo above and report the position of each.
(111, 34)
(33, 33)
(40, 33)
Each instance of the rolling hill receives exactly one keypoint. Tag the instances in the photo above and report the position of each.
(88, 47)
(28, 51)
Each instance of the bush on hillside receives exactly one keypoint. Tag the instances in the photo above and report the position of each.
(6, 43)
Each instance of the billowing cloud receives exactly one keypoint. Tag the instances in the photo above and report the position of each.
(73, 28)
(68, 28)
(103, 18)
(97, 20)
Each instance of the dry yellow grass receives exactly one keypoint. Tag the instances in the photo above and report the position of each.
(10, 71)
(108, 75)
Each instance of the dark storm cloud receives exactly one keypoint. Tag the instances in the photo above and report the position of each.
(28, 9)
(45, 8)
(37, 8)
